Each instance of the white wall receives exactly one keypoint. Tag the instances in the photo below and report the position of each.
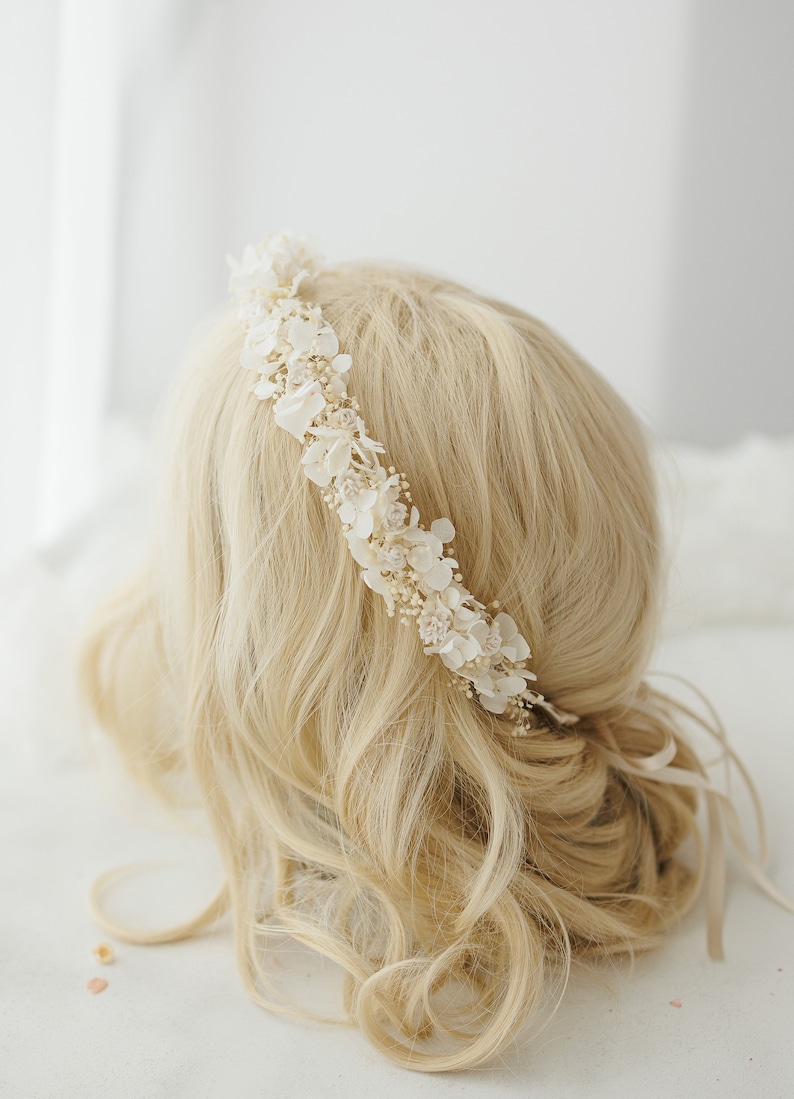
(171, 240)
(621, 168)
(527, 148)
(28, 50)
(729, 350)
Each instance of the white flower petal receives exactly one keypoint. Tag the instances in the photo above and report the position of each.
(326, 343)
(301, 334)
(266, 346)
(363, 524)
(420, 557)
(319, 474)
(297, 410)
(341, 364)
(338, 457)
(336, 383)
(452, 659)
(264, 389)
(484, 683)
(439, 576)
(315, 451)
(373, 579)
(511, 685)
(266, 329)
(465, 615)
(443, 530)
(456, 594)
(507, 627)
(479, 631)
(518, 647)
(420, 537)
(360, 549)
(494, 704)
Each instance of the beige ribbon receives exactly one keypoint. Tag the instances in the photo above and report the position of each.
(720, 810)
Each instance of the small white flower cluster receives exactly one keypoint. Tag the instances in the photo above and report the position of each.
(296, 353)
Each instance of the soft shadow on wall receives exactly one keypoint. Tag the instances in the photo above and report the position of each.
(729, 362)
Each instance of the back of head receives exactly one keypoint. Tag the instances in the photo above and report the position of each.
(360, 801)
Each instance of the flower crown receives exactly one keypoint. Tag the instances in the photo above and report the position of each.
(296, 352)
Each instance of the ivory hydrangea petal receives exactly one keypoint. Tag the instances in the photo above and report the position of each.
(443, 530)
(420, 557)
(360, 549)
(373, 579)
(338, 457)
(301, 334)
(326, 343)
(479, 631)
(517, 649)
(510, 685)
(364, 524)
(494, 704)
(457, 650)
(265, 389)
(507, 626)
(265, 346)
(439, 576)
(294, 412)
(484, 683)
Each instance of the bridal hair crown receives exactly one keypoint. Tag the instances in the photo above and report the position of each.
(296, 353)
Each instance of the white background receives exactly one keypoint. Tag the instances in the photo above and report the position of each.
(620, 168)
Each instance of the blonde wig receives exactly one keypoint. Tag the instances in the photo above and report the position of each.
(359, 803)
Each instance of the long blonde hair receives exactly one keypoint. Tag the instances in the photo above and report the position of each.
(358, 802)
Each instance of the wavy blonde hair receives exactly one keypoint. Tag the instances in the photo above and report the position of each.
(358, 802)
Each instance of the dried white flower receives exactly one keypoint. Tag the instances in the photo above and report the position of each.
(392, 556)
(433, 626)
(345, 418)
(295, 411)
(395, 516)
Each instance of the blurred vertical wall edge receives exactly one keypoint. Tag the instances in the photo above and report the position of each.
(170, 247)
(728, 361)
(28, 56)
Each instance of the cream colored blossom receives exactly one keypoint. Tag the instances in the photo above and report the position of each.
(294, 412)
(392, 556)
(395, 516)
(433, 626)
